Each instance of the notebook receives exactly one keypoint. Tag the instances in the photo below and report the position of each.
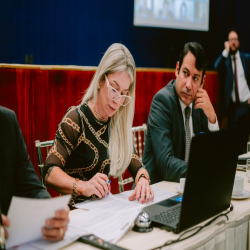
(209, 182)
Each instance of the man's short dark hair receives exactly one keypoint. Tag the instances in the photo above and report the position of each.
(199, 53)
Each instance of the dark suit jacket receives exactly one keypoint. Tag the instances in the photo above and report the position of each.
(17, 175)
(164, 150)
(224, 67)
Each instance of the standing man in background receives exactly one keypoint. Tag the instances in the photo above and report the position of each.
(234, 73)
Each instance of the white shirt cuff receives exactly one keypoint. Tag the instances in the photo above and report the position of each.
(225, 53)
(215, 126)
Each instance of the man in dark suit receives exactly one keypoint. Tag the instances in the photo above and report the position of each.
(178, 111)
(18, 177)
(234, 72)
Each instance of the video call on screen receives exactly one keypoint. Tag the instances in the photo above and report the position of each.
(176, 14)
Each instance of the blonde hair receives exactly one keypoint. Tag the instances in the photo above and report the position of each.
(117, 59)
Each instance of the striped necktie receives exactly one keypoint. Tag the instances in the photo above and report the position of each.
(187, 132)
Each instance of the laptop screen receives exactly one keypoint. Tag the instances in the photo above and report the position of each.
(210, 176)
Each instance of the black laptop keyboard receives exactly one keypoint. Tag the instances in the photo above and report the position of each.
(169, 216)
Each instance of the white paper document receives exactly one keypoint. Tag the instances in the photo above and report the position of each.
(71, 235)
(120, 201)
(28, 216)
(109, 202)
(159, 195)
(111, 217)
(108, 225)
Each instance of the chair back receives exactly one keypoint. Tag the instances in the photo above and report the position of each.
(139, 137)
(40, 145)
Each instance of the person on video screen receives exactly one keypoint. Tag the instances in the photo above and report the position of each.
(183, 12)
(165, 13)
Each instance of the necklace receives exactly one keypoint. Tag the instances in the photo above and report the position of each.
(96, 113)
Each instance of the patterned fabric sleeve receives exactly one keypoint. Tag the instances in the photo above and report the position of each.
(66, 139)
(135, 164)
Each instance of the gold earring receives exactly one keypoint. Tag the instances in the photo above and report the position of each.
(99, 87)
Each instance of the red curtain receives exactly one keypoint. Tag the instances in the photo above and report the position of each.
(41, 97)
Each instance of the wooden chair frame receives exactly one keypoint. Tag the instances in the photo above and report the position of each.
(40, 145)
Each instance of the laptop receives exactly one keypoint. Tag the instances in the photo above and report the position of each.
(209, 182)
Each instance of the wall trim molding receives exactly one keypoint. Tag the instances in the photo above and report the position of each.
(81, 68)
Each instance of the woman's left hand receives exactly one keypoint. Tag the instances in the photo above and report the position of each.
(142, 191)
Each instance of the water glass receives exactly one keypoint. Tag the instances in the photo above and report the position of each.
(248, 170)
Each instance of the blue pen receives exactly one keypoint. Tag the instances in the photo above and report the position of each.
(202, 133)
(109, 181)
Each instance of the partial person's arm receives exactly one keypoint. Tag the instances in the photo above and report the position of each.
(135, 166)
(27, 183)
(56, 227)
(221, 58)
(64, 184)
(219, 62)
(202, 101)
(6, 223)
(213, 126)
(143, 191)
(69, 130)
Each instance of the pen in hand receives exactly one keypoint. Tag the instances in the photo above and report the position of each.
(109, 186)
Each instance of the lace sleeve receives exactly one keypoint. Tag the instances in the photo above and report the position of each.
(135, 165)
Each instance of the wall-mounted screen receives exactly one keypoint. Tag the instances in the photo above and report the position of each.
(175, 14)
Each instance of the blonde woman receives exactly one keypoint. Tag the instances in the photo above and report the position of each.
(94, 139)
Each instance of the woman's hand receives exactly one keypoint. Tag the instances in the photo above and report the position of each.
(96, 185)
(56, 227)
(142, 191)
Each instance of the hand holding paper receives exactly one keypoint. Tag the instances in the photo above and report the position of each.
(56, 227)
(6, 223)
(28, 217)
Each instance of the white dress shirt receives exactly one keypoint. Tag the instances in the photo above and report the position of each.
(244, 92)
(211, 126)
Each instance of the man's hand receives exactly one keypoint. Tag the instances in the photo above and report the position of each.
(227, 46)
(6, 223)
(202, 101)
(56, 227)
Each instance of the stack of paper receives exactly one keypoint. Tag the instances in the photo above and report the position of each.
(108, 218)
(111, 217)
